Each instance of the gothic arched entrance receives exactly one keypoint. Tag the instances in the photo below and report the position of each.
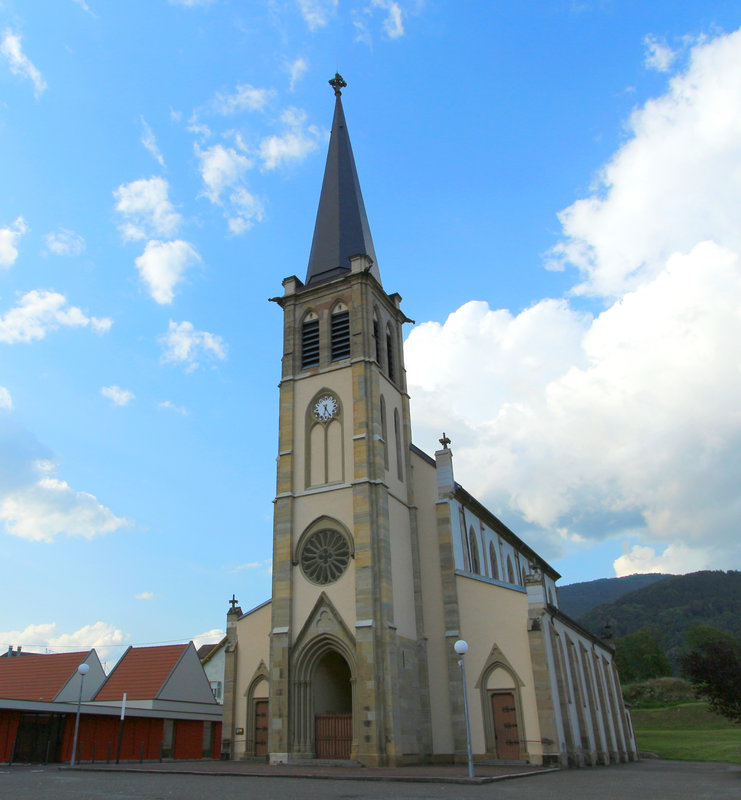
(332, 695)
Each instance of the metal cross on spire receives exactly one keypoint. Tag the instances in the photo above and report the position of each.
(233, 602)
(337, 83)
(444, 441)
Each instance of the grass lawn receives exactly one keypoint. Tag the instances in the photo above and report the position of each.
(687, 732)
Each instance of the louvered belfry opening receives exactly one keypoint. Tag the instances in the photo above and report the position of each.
(340, 334)
(310, 343)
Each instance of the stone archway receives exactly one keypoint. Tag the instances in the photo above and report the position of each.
(332, 695)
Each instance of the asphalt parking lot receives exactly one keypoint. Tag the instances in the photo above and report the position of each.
(652, 780)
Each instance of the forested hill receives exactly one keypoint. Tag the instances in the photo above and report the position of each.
(673, 605)
(577, 599)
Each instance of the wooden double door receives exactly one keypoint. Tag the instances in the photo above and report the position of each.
(333, 735)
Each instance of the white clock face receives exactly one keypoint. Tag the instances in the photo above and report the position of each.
(325, 408)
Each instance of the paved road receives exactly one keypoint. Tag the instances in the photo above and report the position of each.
(647, 780)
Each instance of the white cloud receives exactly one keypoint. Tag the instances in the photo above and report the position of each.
(675, 560)
(317, 13)
(38, 312)
(672, 184)
(392, 24)
(49, 507)
(64, 243)
(659, 55)
(625, 423)
(297, 69)
(294, 145)
(6, 401)
(221, 167)
(170, 406)
(19, 63)
(9, 238)
(117, 395)
(214, 636)
(223, 170)
(245, 98)
(44, 637)
(144, 596)
(146, 209)
(264, 567)
(162, 267)
(150, 143)
(84, 6)
(183, 344)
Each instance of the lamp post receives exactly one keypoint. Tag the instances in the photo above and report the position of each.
(83, 670)
(461, 647)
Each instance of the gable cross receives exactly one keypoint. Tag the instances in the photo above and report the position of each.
(444, 441)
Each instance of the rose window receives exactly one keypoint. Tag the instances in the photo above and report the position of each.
(325, 556)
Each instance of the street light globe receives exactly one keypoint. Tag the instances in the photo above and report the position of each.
(461, 647)
(83, 669)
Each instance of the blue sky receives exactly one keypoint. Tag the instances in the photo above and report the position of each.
(553, 187)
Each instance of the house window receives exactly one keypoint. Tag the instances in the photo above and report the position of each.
(384, 433)
(377, 338)
(474, 548)
(390, 355)
(340, 332)
(397, 436)
(310, 341)
(216, 689)
(493, 560)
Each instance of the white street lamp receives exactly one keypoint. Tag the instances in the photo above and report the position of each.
(83, 670)
(461, 647)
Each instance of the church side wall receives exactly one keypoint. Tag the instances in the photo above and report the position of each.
(402, 570)
(494, 623)
(253, 653)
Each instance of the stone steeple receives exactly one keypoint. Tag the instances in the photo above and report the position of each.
(341, 229)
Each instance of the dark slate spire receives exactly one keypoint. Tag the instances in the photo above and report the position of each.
(341, 229)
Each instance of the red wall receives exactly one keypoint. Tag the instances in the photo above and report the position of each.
(188, 739)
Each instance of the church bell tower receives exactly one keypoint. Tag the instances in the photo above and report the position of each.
(347, 655)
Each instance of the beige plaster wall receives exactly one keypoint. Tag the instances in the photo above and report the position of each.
(492, 615)
(253, 631)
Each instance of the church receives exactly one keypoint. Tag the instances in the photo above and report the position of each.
(382, 561)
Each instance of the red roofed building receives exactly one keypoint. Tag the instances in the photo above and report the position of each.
(169, 709)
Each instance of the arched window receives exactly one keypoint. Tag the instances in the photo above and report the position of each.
(510, 570)
(519, 569)
(310, 341)
(390, 360)
(474, 550)
(384, 433)
(377, 337)
(397, 436)
(340, 332)
(493, 561)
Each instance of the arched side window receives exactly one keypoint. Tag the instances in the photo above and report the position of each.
(384, 433)
(510, 570)
(493, 561)
(397, 437)
(340, 332)
(310, 341)
(378, 348)
(390, 359)
(474, 549)
(519, 569)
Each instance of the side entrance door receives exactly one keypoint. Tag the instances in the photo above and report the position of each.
(261, 727)
(505, 726)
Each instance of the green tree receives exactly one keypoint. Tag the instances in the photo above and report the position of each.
(711, 661)
(639, 656)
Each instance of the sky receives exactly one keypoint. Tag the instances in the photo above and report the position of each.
(553, 187)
